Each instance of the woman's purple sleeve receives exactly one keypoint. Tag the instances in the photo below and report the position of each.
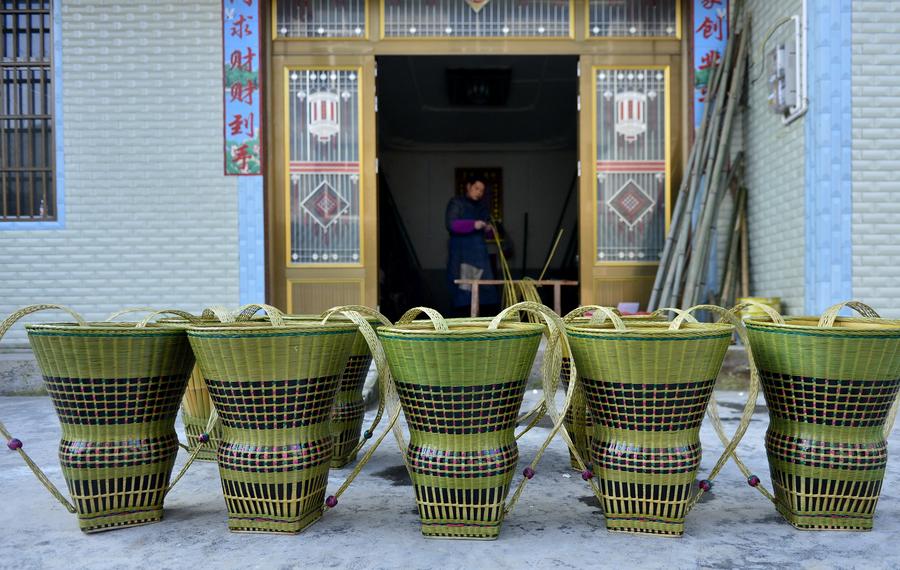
(462, 226)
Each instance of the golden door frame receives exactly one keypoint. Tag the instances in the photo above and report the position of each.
(314, 287)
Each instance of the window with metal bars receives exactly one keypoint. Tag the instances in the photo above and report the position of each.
(27, 165)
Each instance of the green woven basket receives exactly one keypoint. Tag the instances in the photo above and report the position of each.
(196, 407)
(829, 385)
(273, 386)
(578, 418)
(461, 385)
(116, 389)
(647, 387)
(349, 405)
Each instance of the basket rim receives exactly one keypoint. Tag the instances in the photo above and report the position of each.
(313, 318)
(463, 329)
(650, 330)
(265, 328)
(115, 328)
(874, 327)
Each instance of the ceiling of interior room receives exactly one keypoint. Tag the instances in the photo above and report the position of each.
(416, 110)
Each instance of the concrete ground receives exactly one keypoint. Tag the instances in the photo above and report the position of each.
(557, 523)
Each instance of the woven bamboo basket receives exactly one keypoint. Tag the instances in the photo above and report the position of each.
(196, 406)
(116, 389)
(829, 384)
(349, 406)
(647, 386)
(273, 385)
(578, 417)
(461, 385)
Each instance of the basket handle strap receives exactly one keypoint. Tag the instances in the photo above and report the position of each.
(244, 313)
(678, 312)
(774, 315)
(437, 319)
(220, 313)
(600, 314)
(183, 314)
(16, 444)
(384, 378)
(211, 426)
(580, 312)
(830, 314)
(733, 316)
(118, 314)
(370, 313)
(361, 309)
(550, 370)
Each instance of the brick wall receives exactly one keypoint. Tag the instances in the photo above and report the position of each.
(876, 154)
(150, 219)
(775, 175)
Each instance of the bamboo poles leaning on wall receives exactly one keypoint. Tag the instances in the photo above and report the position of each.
(711, 172)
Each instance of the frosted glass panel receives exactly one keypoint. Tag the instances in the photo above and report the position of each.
(324, 145)
(631, 163)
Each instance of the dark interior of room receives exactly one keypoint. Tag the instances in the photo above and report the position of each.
(515, 116)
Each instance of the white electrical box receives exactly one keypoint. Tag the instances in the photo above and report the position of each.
(781, 68)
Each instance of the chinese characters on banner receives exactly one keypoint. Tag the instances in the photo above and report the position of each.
(710, 34)
(241, 80)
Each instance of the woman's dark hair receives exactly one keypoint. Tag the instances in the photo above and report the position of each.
(472, 179)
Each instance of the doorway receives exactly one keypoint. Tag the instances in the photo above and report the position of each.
(513, 119)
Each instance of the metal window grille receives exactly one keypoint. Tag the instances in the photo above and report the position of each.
(27, 149)
(492, 19)
(633, 18)
(320, 19)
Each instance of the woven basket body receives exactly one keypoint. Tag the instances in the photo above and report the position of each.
(195, 410)
(116, 390)
(647, 389)
(578, 418)
(461, 391)
(828, 391)
(349, 406)
(274, 389)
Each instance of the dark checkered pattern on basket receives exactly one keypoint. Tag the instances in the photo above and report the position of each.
(849, 403)
(273, 404)
(115, 401)
(354, 376)
(619, 456)
(348, 411)
(459, 410)
(274, 459)
(116, 454)
(462, 464)
(827, 454)
(648, 407)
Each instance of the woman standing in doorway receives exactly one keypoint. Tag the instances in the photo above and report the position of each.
(468, 222)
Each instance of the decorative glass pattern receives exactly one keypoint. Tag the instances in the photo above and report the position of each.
(637, 18)
(320, 19)
(631, 163)
(325, 172)
(477, 18)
